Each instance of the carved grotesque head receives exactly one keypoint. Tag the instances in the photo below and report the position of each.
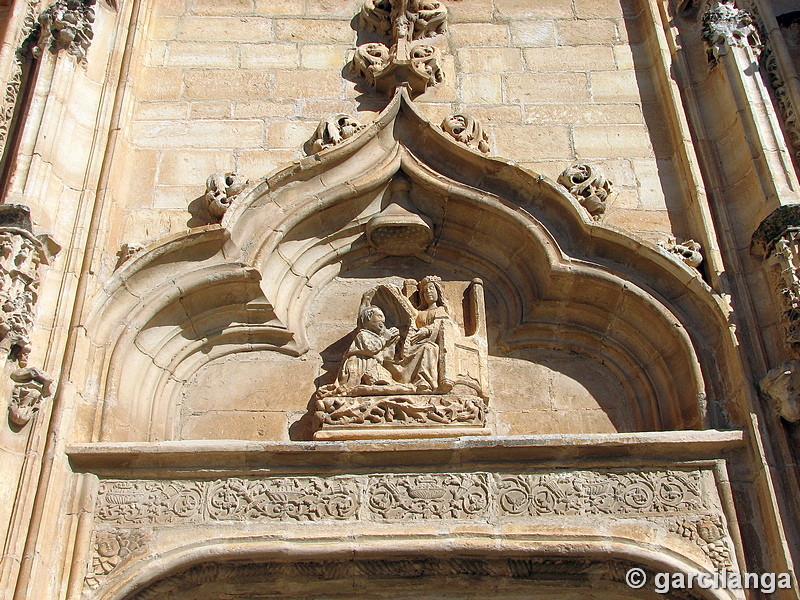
(782, 386)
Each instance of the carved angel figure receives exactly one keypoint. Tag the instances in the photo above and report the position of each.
(332, 130)
(467, 130)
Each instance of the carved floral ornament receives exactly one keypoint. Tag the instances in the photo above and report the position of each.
(726, 26)
(411, 59)
(130, 513)
(221, 190)
(67, 25)
(777, 243)
(588, 185)
(22, 256)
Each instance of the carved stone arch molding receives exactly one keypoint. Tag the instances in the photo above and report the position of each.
(556, 278)
(247, 568)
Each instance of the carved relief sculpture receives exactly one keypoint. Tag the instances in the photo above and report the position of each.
(782, 387)
(221, 190)
(786, 273)
(726, 26)
(110, 549)
(21, 257)
(31, 387)
(14, 84)
(67, 25)
(420, 371)
(467, 130)
(588, 184)
(410, 59)
(689, 251)
(334, 129)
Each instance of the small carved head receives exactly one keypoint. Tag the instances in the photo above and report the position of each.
(372, 318)
(430, 291)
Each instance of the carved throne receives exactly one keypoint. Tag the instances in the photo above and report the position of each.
(420, 373)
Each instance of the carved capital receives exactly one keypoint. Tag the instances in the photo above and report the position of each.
(221, 190)
(467, 130)
(589, 186)
(32, 387)
(726, 26)
(332, 130)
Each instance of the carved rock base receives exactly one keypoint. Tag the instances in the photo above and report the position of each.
(399, 416)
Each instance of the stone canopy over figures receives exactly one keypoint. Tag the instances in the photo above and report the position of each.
(420, 370)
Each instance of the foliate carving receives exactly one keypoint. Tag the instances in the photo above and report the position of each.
(414, 372)
(110, 549)
(234, 499)
(595, 493)
(785, 269)
(684, 502)
(198, 575)
(407, 411)
(589, 186)
(370, 61)
(708, 532)
(301, 499)
(67, 25)
(221, 190)
(726, 26)
(415, 19)
(425, 61)
(126, 252)
(31, 387)
(457, 496)
(21, 257)
(467, 130)
(688, 251)
(9, 105)
(791, 122)
(409, 59)
(782, 387)
(334, 129)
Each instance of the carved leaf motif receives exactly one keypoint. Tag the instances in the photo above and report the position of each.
(726, 26)
(591, 493)
(67, 25)
(589, 186)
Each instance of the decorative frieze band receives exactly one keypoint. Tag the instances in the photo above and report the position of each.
(684, 502)
(398, 497)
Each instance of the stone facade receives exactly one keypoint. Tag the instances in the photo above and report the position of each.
(416, 298)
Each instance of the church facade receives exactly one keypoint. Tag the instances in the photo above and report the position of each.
(400, 299)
